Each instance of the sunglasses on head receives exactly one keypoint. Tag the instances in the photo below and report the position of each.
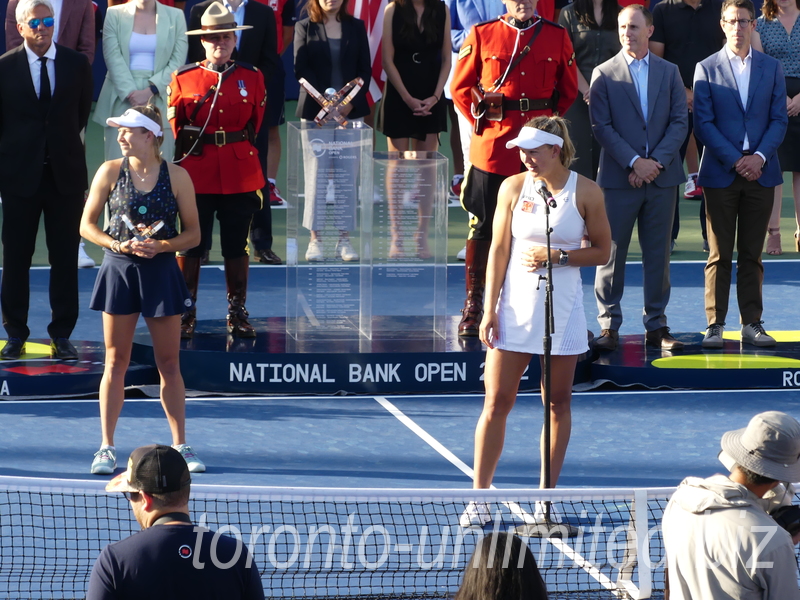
(47, 22)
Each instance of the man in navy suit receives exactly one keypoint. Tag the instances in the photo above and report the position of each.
(740, 117)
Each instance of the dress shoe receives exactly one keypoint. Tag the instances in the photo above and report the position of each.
(608, 340)
(13, 349)
(662, 338)
(268, 257)
(62, 349)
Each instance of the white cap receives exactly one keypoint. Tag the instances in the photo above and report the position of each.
(133, 118)
(530, 138)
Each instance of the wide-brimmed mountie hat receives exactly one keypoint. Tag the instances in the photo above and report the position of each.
(152, 469)
(769, 446)
(217, 19)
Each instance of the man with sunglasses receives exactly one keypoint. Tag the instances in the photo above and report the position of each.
(74, 26)
(719, 539)
(740, 117)
(169, 558)
(45, 101)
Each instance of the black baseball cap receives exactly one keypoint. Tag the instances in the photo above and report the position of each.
(154, 469)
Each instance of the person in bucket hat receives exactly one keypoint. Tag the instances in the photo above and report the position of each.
(169, 558)
(720, 541)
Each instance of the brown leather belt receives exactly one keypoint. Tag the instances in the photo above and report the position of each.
(220, 138)
(526, 104)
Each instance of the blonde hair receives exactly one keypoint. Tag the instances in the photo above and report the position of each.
(556, 126)
(151, 112)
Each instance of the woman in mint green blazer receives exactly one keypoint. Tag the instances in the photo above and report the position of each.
(144, 41)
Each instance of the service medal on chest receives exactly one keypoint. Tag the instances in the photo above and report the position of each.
(242, 89)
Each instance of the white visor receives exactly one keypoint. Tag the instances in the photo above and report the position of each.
(133, 118)
(530, 138)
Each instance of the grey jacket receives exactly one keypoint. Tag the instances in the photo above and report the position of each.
(720, 543)
(623, 131)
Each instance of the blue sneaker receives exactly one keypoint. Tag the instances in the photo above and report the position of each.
(195, 464)
(105, 461)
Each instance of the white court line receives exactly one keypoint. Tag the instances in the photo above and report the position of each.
(426, 437)
(517, 510)
(513, 506)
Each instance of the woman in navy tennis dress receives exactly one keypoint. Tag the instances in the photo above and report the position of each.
(513, 320)
(139, 274)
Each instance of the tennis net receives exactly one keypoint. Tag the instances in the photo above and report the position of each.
(349, 543)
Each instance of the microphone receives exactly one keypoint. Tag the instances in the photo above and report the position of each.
(541, 189)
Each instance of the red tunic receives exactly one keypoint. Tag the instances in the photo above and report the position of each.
(233, 168)
(484, 57)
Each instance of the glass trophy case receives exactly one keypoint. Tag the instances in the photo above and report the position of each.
(366, 237)
(328, 233)
(409, 257)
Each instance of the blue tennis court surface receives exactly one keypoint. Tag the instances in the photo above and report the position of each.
(631, 439)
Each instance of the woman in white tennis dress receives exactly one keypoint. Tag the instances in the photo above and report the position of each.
(513, 321)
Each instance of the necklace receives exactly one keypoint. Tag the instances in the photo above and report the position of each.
(142, 179)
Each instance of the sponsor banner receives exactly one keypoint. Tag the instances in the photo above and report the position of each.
(389, 373)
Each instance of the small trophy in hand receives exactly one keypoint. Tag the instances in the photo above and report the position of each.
(141, 231)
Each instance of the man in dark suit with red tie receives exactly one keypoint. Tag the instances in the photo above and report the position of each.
(45, 100)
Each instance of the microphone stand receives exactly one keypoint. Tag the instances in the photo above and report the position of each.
(546, 529)
(547, 348)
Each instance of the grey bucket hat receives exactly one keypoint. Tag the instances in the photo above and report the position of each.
(768, 446)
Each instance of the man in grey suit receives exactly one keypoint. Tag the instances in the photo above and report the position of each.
(638, 111)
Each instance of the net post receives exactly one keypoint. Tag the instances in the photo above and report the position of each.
(637, 551)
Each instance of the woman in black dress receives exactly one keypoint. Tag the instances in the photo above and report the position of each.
(416, 58)
(330, 49)
(141, 276)
(416, 55)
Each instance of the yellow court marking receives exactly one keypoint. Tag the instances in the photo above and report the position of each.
(34, 350)
(780, 336)
(726, 361)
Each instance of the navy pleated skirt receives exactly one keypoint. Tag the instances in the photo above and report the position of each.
(129, 284)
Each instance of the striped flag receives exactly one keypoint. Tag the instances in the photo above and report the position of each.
(371, 12)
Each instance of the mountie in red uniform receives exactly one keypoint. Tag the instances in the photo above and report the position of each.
(229, 161)
(484, 58)
(542, 82)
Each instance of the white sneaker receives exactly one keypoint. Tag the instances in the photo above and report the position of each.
(314, 252)
(713, 337)
(105, 461)
(84, 260)
(192, 461)
(691, 190)
(477, 514)
(755, 335)
(344, 250)
(462, 254)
